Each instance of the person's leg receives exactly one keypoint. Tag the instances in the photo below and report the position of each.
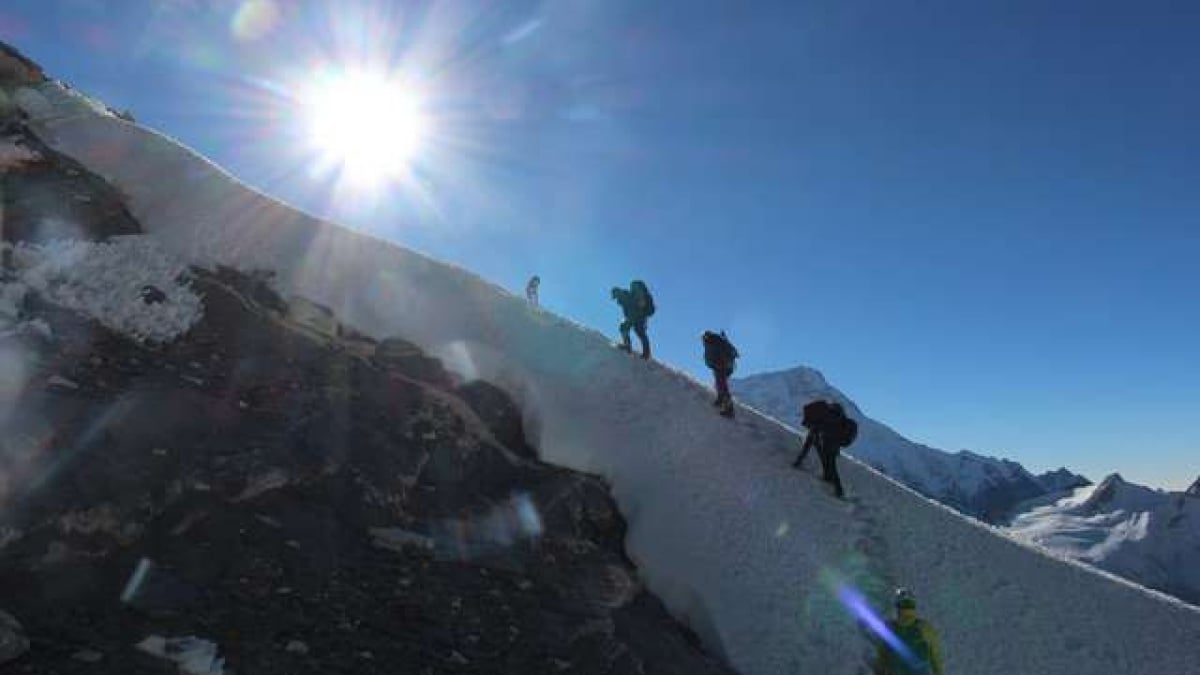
(722, 376)
(723, 394)
(831, 473)
(823, 454)
(809, 442)
(640, 329)
(625, 326)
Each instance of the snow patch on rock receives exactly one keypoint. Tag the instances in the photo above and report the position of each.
(192, 655)
(105, 281)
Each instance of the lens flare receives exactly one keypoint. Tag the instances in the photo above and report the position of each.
(254, 19)
(368, 125)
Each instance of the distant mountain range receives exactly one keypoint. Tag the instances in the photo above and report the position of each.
(1149, 536)
(1145, 535)
(985, 487)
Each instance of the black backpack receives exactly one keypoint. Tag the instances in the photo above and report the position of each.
(842, 431)
(719, 352)
(641, 296)
(814, 414)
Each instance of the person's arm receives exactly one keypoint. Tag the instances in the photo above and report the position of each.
(935, 649)
(809, 439)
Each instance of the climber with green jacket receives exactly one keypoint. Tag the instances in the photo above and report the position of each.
(637, 305)
(912, 646)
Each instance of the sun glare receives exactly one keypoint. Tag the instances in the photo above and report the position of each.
(367, 125)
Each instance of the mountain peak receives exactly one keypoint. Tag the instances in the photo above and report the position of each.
(1061, 479)
(803, 374)
(1114, 492)
(1194, 490)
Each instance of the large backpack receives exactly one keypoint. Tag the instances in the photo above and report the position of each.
(814, 414)
(842, 430)
(641, 295)
(719, 352)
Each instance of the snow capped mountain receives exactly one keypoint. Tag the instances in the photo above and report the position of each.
(1141, 534)
(771, 572)
(1061, 479)
(1194, 489)
(984, 487)
(1138, 533)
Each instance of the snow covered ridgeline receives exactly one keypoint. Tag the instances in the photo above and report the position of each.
(1141, 534)
(721, 529)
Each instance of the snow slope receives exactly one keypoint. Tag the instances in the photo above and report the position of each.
(983, 487)
(1124, 528)
(748, 551)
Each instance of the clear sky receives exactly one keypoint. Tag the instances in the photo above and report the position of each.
(979, 219)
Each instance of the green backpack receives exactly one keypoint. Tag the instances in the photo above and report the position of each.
(641, 295)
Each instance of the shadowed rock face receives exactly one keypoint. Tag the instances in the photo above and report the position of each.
(53, 197)
(16, 69)
(277, 485)
(250, 463)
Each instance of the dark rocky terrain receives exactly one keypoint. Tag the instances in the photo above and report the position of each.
(307, 499)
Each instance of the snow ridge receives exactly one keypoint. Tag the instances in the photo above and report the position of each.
(1130, 530)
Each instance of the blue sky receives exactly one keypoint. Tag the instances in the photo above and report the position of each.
(979, 219)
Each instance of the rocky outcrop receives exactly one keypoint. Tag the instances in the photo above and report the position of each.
(278, 489)
(245, 484)
(45, 196)
(16, 69)
(13, 642)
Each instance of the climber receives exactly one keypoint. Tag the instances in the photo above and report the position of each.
(829, 430)
(720, 356)
(911, 645)
(531, 289)
(637, 305)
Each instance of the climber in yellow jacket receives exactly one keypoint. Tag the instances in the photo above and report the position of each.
(915, 649)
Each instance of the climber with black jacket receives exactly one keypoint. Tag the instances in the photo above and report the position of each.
(719, 356)
(829, 430)
(637, 305)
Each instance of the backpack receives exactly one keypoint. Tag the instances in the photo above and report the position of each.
(850, 433)
(842, 430)
(814, 414)
(719, 352)
(641, 295)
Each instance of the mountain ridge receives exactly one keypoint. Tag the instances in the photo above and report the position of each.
(1049, 509)
(978, 485)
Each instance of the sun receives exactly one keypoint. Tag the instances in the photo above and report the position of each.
(368, 125)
